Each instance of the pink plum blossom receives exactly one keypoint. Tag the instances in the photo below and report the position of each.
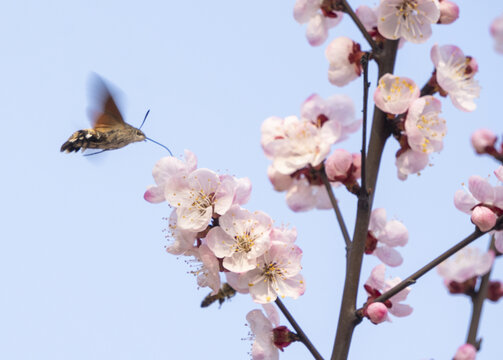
(164, 170)
(343, 55)
(394, 94)
(465, 352)
(455, 75)
(197, 196)
(425, 130)
(268, 336)
(383, 236)
(483, 141)
(377, 285)
(277, 273)
(408, 19)
(410, 162)
(241, 237)
(496, 30)
(449, 12)
(481, 194)
(318, 21)
(465, 264)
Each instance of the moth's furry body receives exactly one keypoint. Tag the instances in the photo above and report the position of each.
(109, 131)
(106, 140)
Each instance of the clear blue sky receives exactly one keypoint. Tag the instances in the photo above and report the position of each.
(83, 270)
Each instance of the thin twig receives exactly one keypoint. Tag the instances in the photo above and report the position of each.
(477, 303)
(303, 337)
(348, 10)
(412, 279)
(335, 205)
(366, 84)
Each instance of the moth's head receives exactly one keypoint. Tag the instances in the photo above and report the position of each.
(139, 135)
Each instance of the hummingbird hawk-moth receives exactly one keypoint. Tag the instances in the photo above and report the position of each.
(109, 130)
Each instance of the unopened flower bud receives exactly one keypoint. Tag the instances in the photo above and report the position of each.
(465, 352)
(484, 218)
(483, 140)
(377, 312)
(449, 12)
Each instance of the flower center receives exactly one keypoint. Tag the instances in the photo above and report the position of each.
(244, 243)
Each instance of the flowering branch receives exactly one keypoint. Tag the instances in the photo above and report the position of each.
(365, 65)
(337, 211)
(378, 136)
(302, 336)
(412, 279)
(342, 5)
(477, 302)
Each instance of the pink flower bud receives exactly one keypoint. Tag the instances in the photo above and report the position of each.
(377, 312)
(338, 164)
(484, 218)
(465, 352)
(482, 139)
(449, 12)
(495, 291)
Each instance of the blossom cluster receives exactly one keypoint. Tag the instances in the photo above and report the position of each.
(415, 118)
(208, 224)
(298, 147)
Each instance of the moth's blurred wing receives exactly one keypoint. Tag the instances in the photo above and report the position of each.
(105, 114)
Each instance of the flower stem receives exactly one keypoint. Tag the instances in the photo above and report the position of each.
(303, 337)
(337, 211)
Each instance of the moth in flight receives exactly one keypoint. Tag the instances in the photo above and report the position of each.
(109, 130)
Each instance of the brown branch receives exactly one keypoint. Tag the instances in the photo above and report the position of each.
(302, 336)
(477, 302)
(379, 134)
(335, 205)
(412, 278)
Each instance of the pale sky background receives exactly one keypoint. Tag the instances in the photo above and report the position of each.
(84, 274)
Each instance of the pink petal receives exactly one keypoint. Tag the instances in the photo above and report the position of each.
(389, 256)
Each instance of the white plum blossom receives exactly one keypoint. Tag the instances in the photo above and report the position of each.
(318, 23)
(241, 237)
(183, 240)
(343, 55)
(377, 284)
(197, 196)
(164, 170)
(408, 19)
(425, 130)
(466, 264)
(339, 108)
(496, 30)
(410, 162)
(268, 335)
(455, 75)
(383, 236)
(277, 273)
(394, 94)
(303, 197)
(483, 202)
(207, 268)
(293, 143)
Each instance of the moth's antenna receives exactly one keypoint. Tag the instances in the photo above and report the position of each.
(159, 145)
(145, 118)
